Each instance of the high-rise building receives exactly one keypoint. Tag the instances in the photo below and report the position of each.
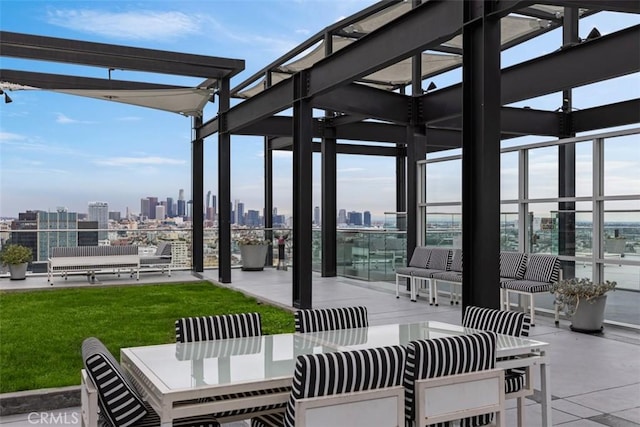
(153, 202)
(63, 227)
(99, 211)
(182, 208)
(208, 205)
(170, 212)
(26, 221)
(239, 212)
(342, 216)
(115, 216)
(354, 218)
(160, 212)
(367, 219)
(144, 208)
(253, 218)
(316, 215)
(214, 206)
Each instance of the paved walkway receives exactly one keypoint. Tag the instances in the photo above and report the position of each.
(595, 379)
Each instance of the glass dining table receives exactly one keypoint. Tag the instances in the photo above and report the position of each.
(187, 379)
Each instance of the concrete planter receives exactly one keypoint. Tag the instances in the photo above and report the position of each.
(253, 257)
(18, 271)
(589, 315)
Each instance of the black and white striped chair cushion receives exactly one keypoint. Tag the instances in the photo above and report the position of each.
(338, 373)
(243, 411)
(512, 323)
(420, 257)
(456, 261)
(530, 286)
(118, 400)
(449, 276)
(542, 268)
(152, 419)
(190, 329)
(439, 357)
(513, 264)
(440, 259)
(408, 271)
(268, 420)
(328, 319)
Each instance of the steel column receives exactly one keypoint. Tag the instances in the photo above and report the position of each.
(302, 190)
(329, 188)
(268, 197)
(567, 159)
(481, 156)
(224, 186)
(197, 206)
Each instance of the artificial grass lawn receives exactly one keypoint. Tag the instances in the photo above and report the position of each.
(41, 332)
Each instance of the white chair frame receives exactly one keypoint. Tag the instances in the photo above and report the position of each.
(383, 407)
(454, 397)
(88, 401)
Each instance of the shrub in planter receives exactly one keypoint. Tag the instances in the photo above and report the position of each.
(584, 301)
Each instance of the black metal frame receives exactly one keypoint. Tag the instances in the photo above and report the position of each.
(471, 115)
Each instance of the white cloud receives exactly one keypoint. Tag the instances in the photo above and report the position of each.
(65, 120)
(137, 25)
(139, 161)
(7, 136)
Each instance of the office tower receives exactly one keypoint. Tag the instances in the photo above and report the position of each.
(214, 206)
(367, 219)
(115, 216)
(89, 234)
(170, 212)
(181, 194)
(211, 214)
(99, 211)
(253, 218)
(144, 208)
(153, 202)
(182, 206)
(316, 215)
(63, 225)
(342, 216)
(160, 212)
(354, 218)
(239, 213)
(208, 205)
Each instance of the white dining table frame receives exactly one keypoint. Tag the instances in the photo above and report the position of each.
(527, 353)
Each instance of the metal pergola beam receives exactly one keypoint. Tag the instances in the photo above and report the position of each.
(54, 49)
(48, 81)
(605, 116)
(622, 50)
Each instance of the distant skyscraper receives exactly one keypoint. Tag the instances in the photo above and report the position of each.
(214, 206)
(253, 218)
(115, 215)
(239, 213)
(342, 216)
(367, 219)
(26, 221)
(170, 212)
(354, 218)
(182, 206)
(144, 208)
(208, 205)
(153, 202)
(59, 221)
(316, 215)
(160, 212)
(99, 211)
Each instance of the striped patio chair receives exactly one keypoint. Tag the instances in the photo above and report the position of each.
(119, 402)
(518, 382)
(440, 358)
(191, 329)
(329, 319)
(226, 326)
(419, 260)
(365, 386)
(542, 270)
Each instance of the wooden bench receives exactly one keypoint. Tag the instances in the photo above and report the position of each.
(90, 259)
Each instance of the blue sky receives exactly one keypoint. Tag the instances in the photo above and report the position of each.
(62, 150)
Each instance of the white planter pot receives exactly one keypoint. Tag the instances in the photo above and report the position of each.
(18, 271)
(589, 315)
(253, 257)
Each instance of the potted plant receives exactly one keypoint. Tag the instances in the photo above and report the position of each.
(17, 258)
(584, 301)
(253, 251)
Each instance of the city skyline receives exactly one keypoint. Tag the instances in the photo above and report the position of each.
(84, 149)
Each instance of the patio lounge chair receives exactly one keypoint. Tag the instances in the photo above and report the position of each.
(161, 259)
